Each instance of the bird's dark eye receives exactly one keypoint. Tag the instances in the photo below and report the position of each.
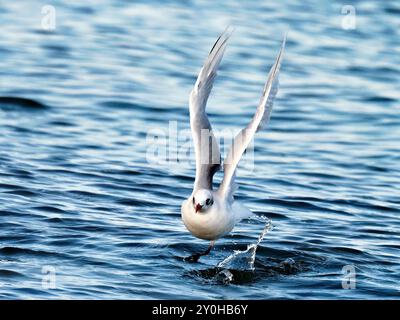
(208, 201)
(193, 200)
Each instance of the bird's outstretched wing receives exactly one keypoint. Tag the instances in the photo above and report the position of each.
(244, 137)
(208, 158)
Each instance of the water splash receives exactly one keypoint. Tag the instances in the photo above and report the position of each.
(244, 260)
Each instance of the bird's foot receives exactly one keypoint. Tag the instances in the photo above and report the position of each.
(193, 258)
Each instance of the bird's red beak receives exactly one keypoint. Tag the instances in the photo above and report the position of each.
(198, 207)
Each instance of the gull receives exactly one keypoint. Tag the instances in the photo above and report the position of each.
(211, 214)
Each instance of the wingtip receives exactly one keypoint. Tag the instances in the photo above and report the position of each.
(282, 49)
(229, 30)
(284, 39)
(224, 36)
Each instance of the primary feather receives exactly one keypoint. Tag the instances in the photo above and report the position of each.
(244, 137)
(208, 158)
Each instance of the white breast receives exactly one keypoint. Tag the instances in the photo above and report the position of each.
(213, 224)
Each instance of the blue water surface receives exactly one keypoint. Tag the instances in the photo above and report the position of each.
(85, 213)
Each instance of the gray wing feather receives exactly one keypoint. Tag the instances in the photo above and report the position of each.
(208, 158)
(244, 137)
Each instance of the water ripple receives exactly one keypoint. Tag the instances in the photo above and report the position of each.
(79, 195)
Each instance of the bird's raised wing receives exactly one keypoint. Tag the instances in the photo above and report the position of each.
(208, 158)
(244, 137)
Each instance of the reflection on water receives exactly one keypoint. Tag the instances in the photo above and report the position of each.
(78, 196)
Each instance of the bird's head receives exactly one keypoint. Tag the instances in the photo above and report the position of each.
(202, 200)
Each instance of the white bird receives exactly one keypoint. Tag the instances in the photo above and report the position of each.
(211, 214)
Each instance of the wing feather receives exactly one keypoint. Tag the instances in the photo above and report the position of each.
(260, 120)
(208, 158)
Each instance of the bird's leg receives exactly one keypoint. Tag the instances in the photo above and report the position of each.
(211, 245)
(195, 257)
